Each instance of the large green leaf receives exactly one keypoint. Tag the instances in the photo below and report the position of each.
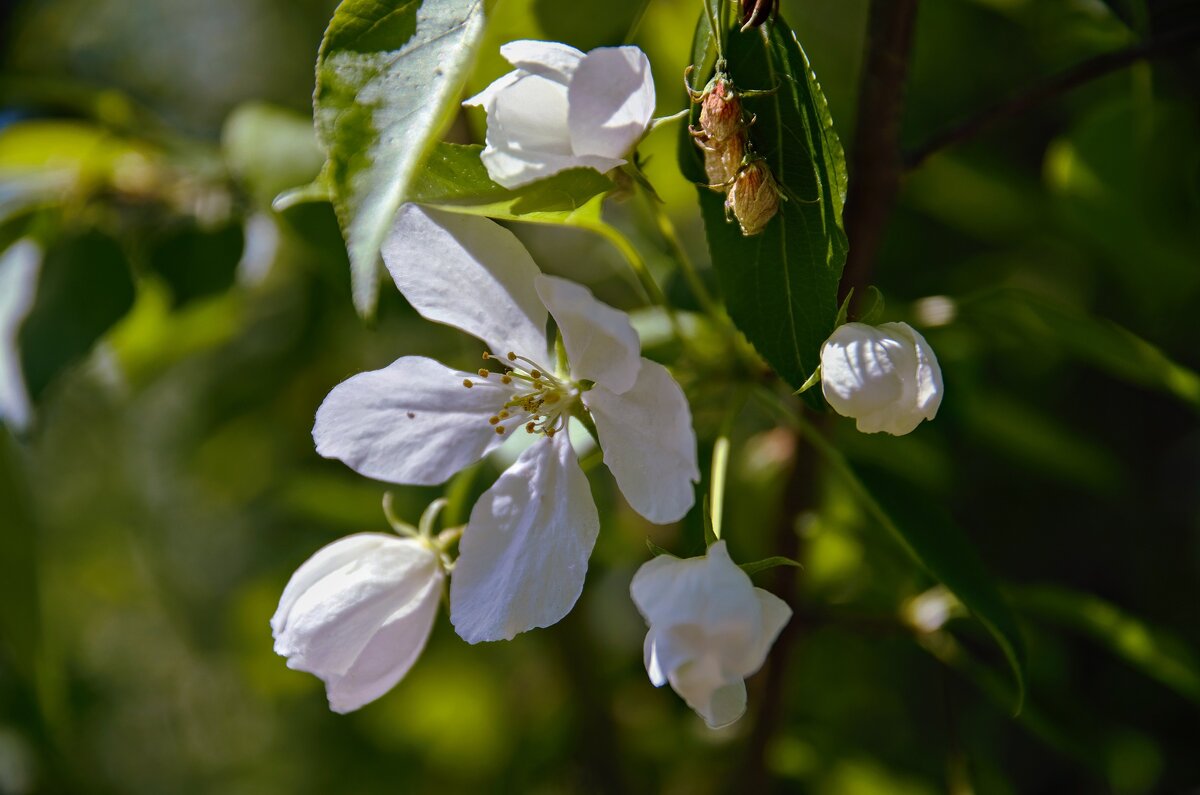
(1150, 650)
(781, 285)
(388, 75)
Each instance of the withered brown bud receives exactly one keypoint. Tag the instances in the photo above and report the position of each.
(756, 12)
(754, 197)
(722, 161)
(721, 111)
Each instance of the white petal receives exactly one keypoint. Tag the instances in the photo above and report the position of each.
(709, 592)
(600, 341)
(551, 59)
(321, 564)
(513, 169)
(530, 115)
(333, 619)
(612, 101)
(412, 422)
(524, 553)
(775, 615)
(489, 94)
(390, 653)
(648, 443)
(654, 670)
(19, 268)
(725, 705)
(470, 273)
(929, 372)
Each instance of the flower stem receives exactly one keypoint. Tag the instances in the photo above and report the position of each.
(720, 464)
(686, 265)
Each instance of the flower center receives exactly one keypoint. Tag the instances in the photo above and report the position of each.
(528, 395)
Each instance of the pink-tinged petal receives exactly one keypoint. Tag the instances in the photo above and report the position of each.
(648, 442)
(412, 422)
(468, 272)
(524, 553)
(600, 341)
(611, 101)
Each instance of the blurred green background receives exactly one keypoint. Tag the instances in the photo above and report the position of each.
(183, 335)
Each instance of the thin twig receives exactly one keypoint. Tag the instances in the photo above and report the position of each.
(876, 164)
(1078, 75)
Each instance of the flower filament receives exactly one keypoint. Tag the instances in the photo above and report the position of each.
(533, 397)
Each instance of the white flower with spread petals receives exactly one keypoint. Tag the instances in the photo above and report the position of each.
(357, 614)
(709, 629)
(886, 377)
(525, 550)
(563, 109)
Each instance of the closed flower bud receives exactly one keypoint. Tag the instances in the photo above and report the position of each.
(357, 615)
(885, 377)
(721, 111)
(754, 197)
(721, 162)
(709, 628)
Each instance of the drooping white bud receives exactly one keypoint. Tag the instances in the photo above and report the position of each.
(885, 377)
(357, 615)
(709, 628)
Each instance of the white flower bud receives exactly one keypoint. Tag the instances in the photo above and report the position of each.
(885, 377)
(357, 615)
(710, 628)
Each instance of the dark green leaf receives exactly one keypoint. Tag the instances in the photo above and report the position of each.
(388, 76)
(84, 287)
(1151, 651)
(768, 563)
(1095, 340)
(781, 285)
(197, 262)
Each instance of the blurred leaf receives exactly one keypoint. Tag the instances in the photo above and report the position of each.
(931, 537)
(84, 288)
(388, 76)
(781, 285)
(18, 563)
(768, 563)
(270, 149)
(197, 262)
(1152, 651)
(1095, 340)
(454, 178)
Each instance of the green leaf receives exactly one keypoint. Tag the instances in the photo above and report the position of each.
(84, 287)
(1100, 342)
(656, 550)
(871, 307)
(939, 545)
(388, 76)
(810, 382)
(454, 178)
(197, 262)
(768, 563)
(1152, 651)
(781, 285)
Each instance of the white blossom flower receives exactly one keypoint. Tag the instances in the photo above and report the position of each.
(563, 109)
(524, 553)
(357, 614)
(709, 629)
(19, 267)
(885, 377)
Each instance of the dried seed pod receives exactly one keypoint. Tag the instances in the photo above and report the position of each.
(721, 110)
(722, 161)
(754, 197)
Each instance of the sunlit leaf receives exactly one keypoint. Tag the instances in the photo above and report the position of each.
(388, 76)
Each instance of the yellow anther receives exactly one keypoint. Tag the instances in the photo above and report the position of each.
(506, 379)
(467, 383)
(500, 429)
(486, 356)
(512, 357)
(529, 427)
(503, 415)
(550, 432)
(536, 373)
(484, 373)
(493, 420)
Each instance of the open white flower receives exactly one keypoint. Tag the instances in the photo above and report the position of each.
(357, 614)
(524, 553)
(563, 109)
(886, 377)
(710, 628)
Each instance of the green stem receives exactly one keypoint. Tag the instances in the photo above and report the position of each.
(686, 265)
(720, 465)
(712, 10)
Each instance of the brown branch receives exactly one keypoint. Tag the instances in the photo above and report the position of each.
(1078, 75)
(876, 165)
